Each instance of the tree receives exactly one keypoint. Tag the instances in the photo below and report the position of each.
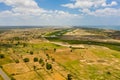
(54, 49)
(26, 59)
(48, 66)
(31, 52)
(35, 59)
(69, 77)
(2, 56)
(41, 60)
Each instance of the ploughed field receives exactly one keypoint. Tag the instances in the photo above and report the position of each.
(60, 54)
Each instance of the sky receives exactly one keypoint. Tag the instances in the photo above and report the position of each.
(59, 12)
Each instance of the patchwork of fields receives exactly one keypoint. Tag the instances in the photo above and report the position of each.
(60, 54)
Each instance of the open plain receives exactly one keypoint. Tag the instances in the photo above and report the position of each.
(60, 54)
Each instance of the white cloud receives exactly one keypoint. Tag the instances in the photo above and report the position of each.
(107, 12)
(95, 7)
(29, 7)
(114, 3)
(18, 3)
(103, 12)
(23, 6)
(69, 5)
(28, 12)
(89, 4)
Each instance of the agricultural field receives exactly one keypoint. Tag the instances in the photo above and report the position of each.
(60, 54)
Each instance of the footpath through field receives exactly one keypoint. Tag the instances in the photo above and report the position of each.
(4, 75)
(68, 45)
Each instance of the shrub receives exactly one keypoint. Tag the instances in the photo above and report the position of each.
(17, 61)
(42, 64)
(34, 67)
(70, 46)
(35, 59)
(109, 73)
(53, 59)
(2, 56)
(26, 59)
(12, 78)
(48, 66)
(54, 49)
(48, 56)
(1, 66)
(41, 60)
(31, 52)
(69, 77)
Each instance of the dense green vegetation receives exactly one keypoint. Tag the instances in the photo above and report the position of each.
(58, 33)
(114, 46)
(111, 45)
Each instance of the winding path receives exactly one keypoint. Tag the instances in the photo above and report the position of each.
(4, 75)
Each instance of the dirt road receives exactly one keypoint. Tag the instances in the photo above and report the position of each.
(68, 45)
(4, 75)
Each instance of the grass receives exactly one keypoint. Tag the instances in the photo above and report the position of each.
(84, 71)
(105, 53)
(28, 76)
(7, 59)
(79, 70)
(46, 45)
(18, 49)
(91, 72)
(69, 66)
(1, 77)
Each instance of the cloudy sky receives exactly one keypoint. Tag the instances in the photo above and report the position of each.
(60, 12)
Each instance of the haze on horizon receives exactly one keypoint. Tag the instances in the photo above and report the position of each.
(59, 12)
